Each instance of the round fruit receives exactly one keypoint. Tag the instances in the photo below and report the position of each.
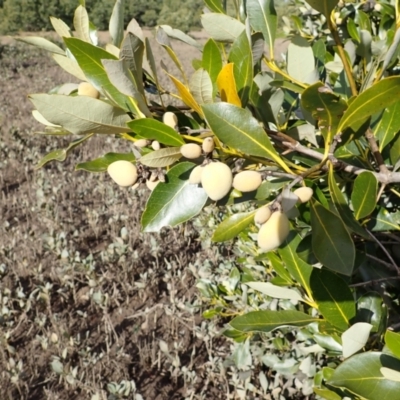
(87, 89)
(141, 143)
(191, 150)
(155, 145)
(262, 215)
(170, 119)
(195, 175)
(273, 233)
(304, 194)
(216, 180)
(123, 173)
(247, 181)
(378, 7)
(208, 145)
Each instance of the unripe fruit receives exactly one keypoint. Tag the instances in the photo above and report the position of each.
(141, 143)
(378, 7)
(262, 215)
(87, 89)
(339, 21)
(155, 145)
(247, 181)
(216, 180)
(208, 145)
(151, 184)
(170, 119)
(195, 175)
(123, 173)
(304, 194)
(273, 233)
(191, 150)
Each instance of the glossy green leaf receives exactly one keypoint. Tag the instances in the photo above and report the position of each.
(334, 298)
(175, 201)
(342, 207)
(214, 6)
(277, 292)
(89, 59)
(237, 128)
(300, 60)
(61, 154)
(267, 321)
(326, 107)
(152, 62)
(383, 220)
(323, 6)
(201, 87)
(371, 309)
(69, 65)
(230, 227)
(41, 43)
(212, 61)
(156, 130)
(221, 27)
(381, 95)
(361, 375)
(299, 269)
(116, 25)
(81, 114)
(388, 126)
(161, 158)
(327, 394)
(279, 268)
(81, 24)
(392, 340)
(100, 164)
(329, 342)
(332, 244)
(263, 18)
(363, 196)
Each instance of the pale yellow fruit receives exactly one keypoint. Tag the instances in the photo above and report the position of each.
(155, 145)
(378, 7)
(339, 21)
(87, 89)
(195, 175)
(304, 194)
(273, 233)
(151, 184)
(191, 150)
(262, 215)
(141, 143)
(123, 173)
(170, 119)
(208, 145)
(216, 180)
(247, 181)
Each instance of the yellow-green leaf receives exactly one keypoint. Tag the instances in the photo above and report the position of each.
(227, 85)
(363, 196)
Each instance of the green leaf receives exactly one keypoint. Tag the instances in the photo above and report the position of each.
(179, 35)
(89, 59)
(201, 87)
(300, 60)
(215, 6)
(156, 130)
(221, 27)
(355, 338)
(361, 375)
(212, 61)
(60, 27)
(175, 201)
(274, 291)
(81, 24)
(373, 100)
(371, 309)
(383, 220)
(334, 298)
(161, 158)
(343, 210)
(267, 321)
(326, 107)
(279, 268)
(61, 154)
(331, 242)
(392, 341)
(69, 65)
(81, 114)
(263, 18)
(116, 25)
(100, 164)
(323, 6)
(388, 126)
(242, 59)
(363, 196)
(237, 128)
(299, 269)
(232, 226)
(41, 43)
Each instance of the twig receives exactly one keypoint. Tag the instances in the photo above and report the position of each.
(369, 135)
(375, 281)
(378, 260)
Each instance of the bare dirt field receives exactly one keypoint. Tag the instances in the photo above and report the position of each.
(91, 308)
